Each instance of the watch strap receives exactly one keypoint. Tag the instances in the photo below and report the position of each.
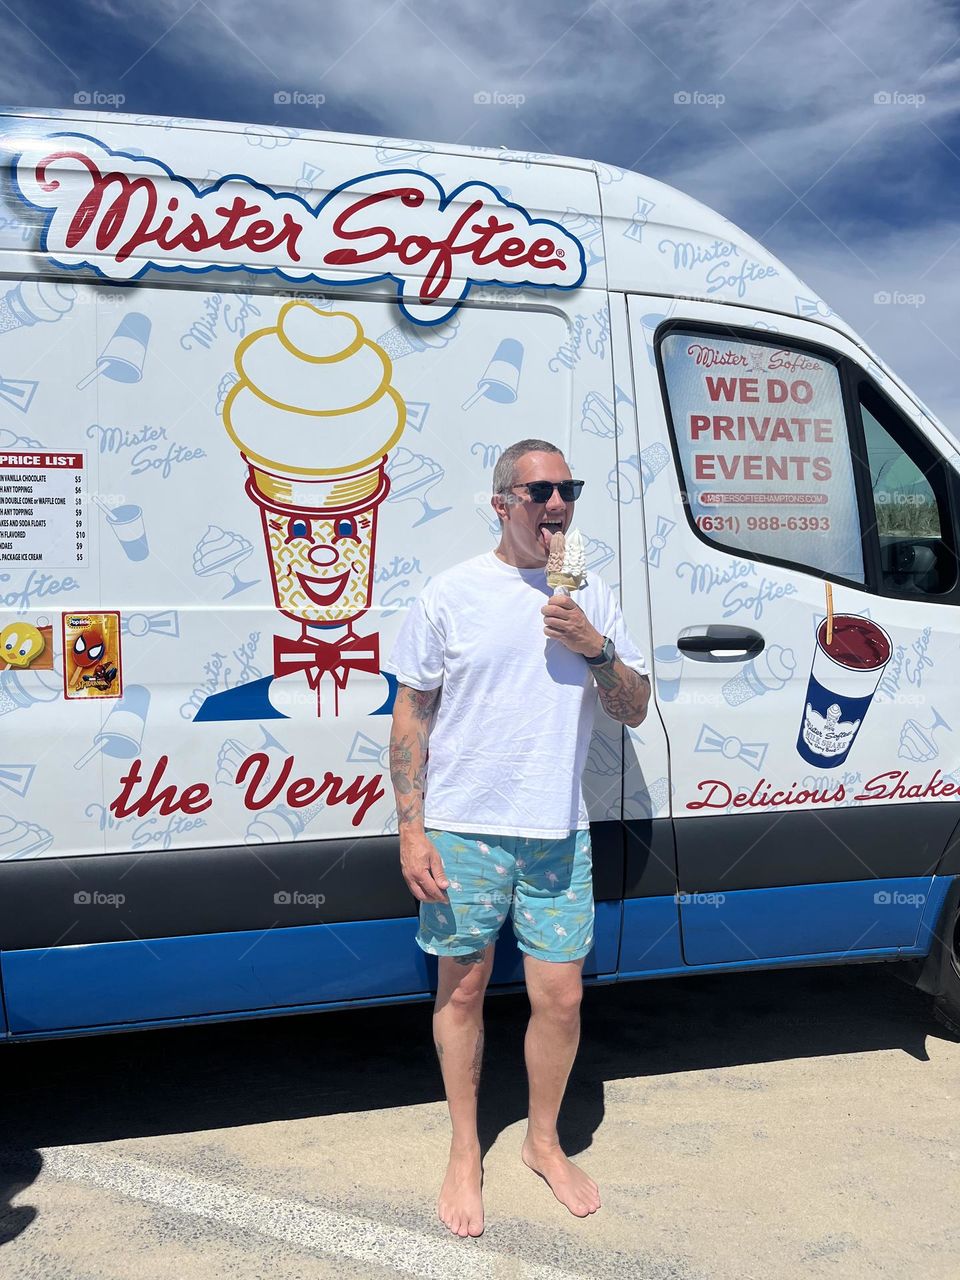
(607, 654)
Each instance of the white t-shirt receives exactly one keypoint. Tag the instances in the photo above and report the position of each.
(515, 716)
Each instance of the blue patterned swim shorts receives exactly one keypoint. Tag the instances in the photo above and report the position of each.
(545, 885)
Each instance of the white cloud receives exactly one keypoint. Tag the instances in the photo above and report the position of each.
(599, 78)
(917, 333)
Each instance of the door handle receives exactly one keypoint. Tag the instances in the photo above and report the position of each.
(719, 642)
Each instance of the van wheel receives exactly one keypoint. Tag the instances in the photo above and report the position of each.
(946, 1006)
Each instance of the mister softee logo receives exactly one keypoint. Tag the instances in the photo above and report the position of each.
(122, 219)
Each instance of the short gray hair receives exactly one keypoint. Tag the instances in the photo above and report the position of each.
(505, 472)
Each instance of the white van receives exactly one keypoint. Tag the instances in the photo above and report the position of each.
(254, 385)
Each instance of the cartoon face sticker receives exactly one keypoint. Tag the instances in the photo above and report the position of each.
(321, 563)
(20, 644)
(88, 648)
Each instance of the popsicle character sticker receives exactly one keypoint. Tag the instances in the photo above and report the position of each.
(91, 648)
(314, 416)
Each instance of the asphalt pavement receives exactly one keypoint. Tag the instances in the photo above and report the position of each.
(801, 1123)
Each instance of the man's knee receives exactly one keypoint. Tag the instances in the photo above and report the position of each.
(555, 989)
(462, 980)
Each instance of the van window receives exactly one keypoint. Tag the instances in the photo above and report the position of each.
(909, 502)
(762, 440)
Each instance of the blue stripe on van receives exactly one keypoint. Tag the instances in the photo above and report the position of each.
(800, 923)
(123, 985)
(207, 975)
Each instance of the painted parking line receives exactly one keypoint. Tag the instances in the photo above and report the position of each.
(295, 1222)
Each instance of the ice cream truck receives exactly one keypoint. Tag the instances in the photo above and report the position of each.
(253, 385)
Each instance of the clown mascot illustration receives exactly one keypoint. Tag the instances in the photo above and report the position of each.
(314, 416)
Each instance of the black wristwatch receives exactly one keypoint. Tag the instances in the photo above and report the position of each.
(607, 653)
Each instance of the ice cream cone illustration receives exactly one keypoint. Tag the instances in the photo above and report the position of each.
(314, 416)
(35, 302)
(407, 339)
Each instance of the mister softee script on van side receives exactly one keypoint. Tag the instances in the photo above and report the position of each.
(121, 215)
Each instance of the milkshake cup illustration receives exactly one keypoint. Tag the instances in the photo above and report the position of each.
(648, 327)
(122, 732)
(35, 302)
(127, 524)
(668, 664)
(314, 416)
(843, 679)
(122, 358)
(501, 378)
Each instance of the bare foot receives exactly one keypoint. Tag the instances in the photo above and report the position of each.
(569, 1184)
(459, 1205)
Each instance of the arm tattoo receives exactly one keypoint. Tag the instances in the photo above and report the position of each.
(409, 750)
(422, 701)
(623, 691)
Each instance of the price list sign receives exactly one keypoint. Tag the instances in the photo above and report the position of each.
(42, 509)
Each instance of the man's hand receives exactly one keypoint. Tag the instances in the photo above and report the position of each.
(623, 693)
(422, 868)
(420, 862)
(566, 622)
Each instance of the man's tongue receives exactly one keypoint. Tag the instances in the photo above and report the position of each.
(546, 533)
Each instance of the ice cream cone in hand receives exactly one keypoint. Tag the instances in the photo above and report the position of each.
(566, 563)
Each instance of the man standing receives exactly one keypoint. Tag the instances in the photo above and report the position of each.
(496, 821)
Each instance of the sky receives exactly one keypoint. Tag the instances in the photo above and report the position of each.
(827, 129)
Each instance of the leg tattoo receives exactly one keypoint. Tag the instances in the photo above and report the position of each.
(477, 1061)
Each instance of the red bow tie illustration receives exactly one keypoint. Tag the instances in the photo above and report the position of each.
(316, 657)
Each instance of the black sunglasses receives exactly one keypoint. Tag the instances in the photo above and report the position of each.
(542, 490)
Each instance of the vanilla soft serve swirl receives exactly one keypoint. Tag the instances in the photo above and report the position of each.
(314, 396)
